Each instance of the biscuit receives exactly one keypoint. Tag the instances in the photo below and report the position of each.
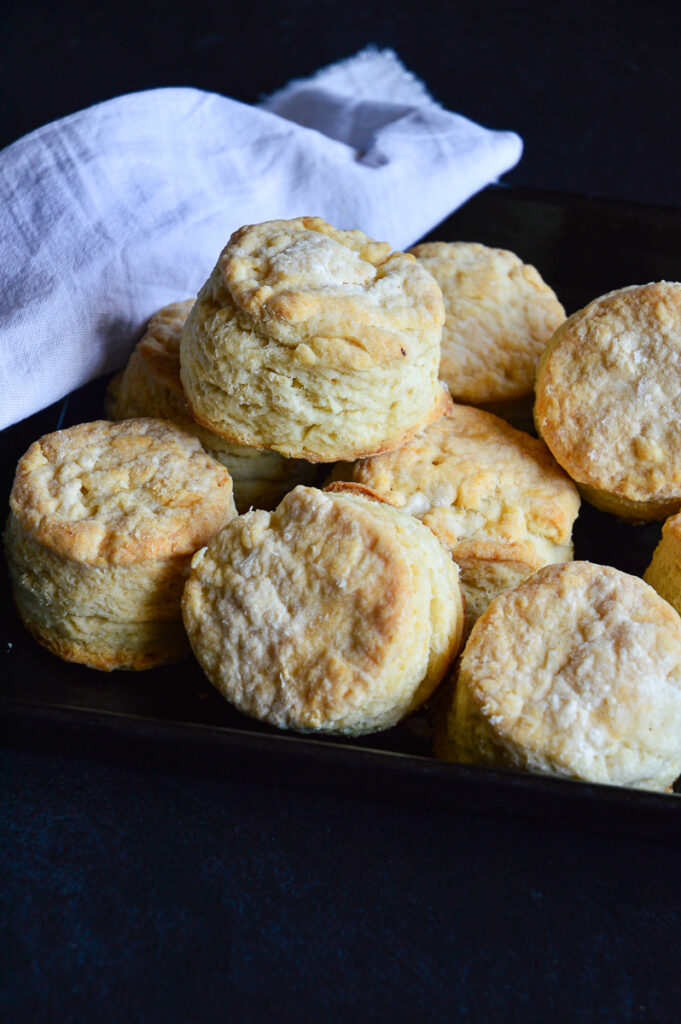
(334, 613)
(317, 343)
(575, 673)
(150, 385)
(493, 495)
(104, 520)
(664, 572)
(499, 316)
(608, 400)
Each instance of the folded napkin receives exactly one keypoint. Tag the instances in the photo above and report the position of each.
(112, 212)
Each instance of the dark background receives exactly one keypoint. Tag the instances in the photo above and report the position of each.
(140, 887)
(593, 88)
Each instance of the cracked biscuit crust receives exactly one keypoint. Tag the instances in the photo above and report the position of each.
(119, 493)
(499, 316)
(493, 495)
(608, 401)
(334, 613)
(150, 385)
(104, 520)
(576, 673)
(318, 343)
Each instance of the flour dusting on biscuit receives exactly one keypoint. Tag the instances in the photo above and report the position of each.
(334, 613)
(575, 673)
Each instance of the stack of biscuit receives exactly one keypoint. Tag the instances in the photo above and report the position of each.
(306, 345)
(493, 495)
(311, 350)
(577, 671)
(150, 385)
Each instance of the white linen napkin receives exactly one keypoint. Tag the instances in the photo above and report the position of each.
(112, 212)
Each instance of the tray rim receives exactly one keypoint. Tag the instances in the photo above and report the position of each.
(322, 765)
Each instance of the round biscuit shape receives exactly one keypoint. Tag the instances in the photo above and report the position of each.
(317, 343)
(608, 400)
(493, 495)
(150, 385)
(335, 613)
(104, 520)
(575, 673)
(499, 316)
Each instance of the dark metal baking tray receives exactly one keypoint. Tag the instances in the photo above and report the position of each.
(583, 247)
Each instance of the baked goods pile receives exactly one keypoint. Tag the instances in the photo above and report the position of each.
(493, 495)
(379, 523)
(150, 385)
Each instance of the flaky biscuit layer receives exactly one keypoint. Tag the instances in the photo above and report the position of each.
(494, 496)
(317, 343)
(608, 401)
(104, 520)
(499, 316)
(334, 613)
(150, 385)
(103, 616)
(576, 672)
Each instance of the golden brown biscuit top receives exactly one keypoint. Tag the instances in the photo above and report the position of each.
(160, 345)
(315, 595)
(499, 316)
(119, 493)
(343, 297)
(581, 662)
(471, 472)
(609, 392)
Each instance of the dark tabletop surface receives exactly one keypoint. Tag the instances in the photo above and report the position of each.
(144, 882)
